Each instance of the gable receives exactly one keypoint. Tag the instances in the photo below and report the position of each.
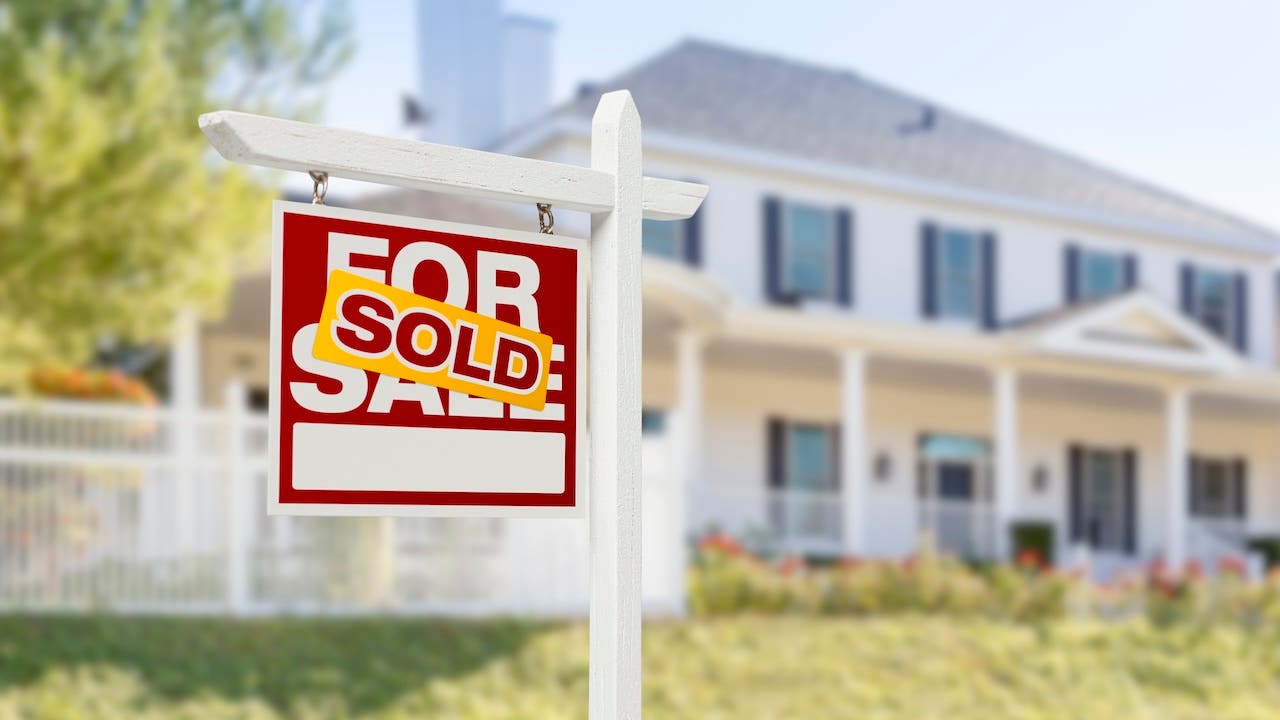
(1134, 329)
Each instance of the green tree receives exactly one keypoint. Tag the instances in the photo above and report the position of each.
(113, 213)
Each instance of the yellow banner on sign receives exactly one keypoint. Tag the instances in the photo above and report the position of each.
(373, 326)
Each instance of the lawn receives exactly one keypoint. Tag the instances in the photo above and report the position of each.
(749, 667)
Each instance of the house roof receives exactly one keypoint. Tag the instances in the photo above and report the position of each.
(708, 91)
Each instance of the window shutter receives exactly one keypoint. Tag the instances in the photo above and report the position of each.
(1193, 486)
(1075, 466)
(990, 282)
(929, 270)
(844, 257)
(773, 249)
(836, 457)
(1188, 288)
(774, 444)
(1130, 271)
(1240, 476)
(1130, 501)
(693, 239)
(1242, 313)
(1070, 274)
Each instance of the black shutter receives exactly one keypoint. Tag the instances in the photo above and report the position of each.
(773, 249)
(990, 282)
(1194, 478)
(844, 257)
(1188, 286)
(1130, 501)
(929, 270)
(1242, 313)
(776, 459)
(1075, 469)
(1130, 271)
(693, 240)
(836, 456)
(1240, 476)
(1070, 274)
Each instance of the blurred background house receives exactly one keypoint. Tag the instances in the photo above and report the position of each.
(889, 320)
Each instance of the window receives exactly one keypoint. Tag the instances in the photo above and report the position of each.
(809, 252)
(1212, 301)
(1104, 500)
(809, 465)
(1101, 274)
(663, 239)
(1217, 488)
(652, 422)
(959, 274)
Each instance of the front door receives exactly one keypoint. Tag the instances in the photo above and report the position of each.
(955, 495)
(1103, 502)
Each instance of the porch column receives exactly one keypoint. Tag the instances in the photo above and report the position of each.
(1005, 418)
(853, 449)
(1175, 441)
(687, 450)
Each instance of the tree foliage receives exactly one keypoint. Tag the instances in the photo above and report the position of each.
(113, 214)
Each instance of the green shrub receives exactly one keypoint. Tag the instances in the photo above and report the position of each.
(1033, 537)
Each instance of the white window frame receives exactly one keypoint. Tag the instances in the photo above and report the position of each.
(1082, 284)
(832, 260)
(941, 274)
(1230, 311)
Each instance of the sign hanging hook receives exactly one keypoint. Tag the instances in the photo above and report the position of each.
(319, 186)
(546, 221)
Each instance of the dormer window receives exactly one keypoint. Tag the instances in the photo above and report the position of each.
(958, 280)
(1093, 274)
(678, 241)
(1218, 300)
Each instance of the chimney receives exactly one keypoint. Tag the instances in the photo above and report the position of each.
(526, 69)
(460, 70)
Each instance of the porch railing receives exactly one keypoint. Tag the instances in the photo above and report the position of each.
(785, 521)
(960, 527)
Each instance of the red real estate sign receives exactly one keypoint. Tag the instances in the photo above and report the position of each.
(471, 312)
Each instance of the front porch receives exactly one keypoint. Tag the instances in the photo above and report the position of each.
(813, 434)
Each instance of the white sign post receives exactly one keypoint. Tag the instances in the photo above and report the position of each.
(616, 194)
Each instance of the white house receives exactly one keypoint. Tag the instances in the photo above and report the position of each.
(886, 320)
(889, 319)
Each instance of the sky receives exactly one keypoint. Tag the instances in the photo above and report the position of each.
(1184, 94)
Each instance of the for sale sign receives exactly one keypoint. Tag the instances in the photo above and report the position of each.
(424, 368)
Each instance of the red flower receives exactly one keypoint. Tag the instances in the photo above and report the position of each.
(1193, 569)
(791, 565)
(719, 542)
(1231, 565)
(1029, 559)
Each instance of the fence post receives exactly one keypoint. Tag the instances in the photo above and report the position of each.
(237, 547)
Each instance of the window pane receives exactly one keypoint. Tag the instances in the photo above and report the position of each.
(1101, 274)
(1213, 301)
(652, 422)
(958, 275)
(808, 261)
(809, 458)
(660, 239)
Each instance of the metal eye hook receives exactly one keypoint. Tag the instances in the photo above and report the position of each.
(546, 221)
(319, 186)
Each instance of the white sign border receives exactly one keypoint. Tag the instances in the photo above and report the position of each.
(276, 507)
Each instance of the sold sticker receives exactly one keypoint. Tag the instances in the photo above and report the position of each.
(373, 326)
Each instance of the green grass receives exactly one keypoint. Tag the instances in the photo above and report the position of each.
(780, 667)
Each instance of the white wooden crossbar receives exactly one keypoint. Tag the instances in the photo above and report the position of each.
(291, 145)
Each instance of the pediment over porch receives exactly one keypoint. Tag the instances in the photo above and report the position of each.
(1136, 329)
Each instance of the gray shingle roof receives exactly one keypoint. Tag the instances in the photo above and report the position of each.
(704, 90)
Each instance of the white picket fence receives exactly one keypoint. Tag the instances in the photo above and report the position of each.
(116, 508)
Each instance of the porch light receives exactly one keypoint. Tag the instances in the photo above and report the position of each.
(883, 466)
(1040, 478)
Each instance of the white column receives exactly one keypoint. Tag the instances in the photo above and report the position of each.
(687, 450)
(853, 449)
(1175, 441)
(1005, 419)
